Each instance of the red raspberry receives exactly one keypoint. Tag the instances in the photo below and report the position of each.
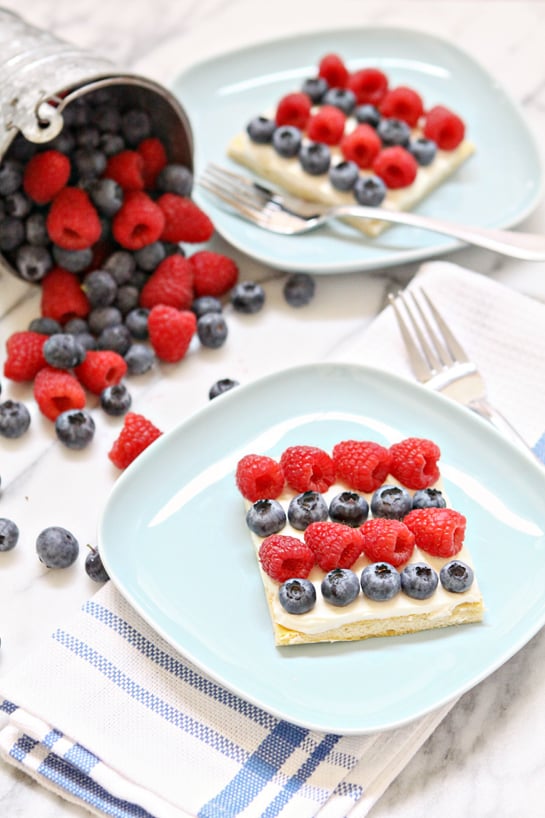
(362, 464)
(155, 158)
(170, 283)
(307, 468)
(369, 85)
(334, 545)
(213, 273)
(387, 541)
(136, 435)
(127, 169)
(333, 70)
(138, 222)
(25, 355)
(439, 531)
(396, 167)
(283, 557)
(361, 146)
(414, 462)
(184, 220)
(294, 109)
(171, 331)
(72, 222)
(259, 477)
(56, 391)
(62, 296)
(100, 368)
(45, 175)
(402, 103)
(444, 127)
(327, 125)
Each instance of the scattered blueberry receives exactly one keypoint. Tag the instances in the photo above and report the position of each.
(121, 264)
(390, 501)
(75, 261)
(111, 143)
(369, 191)
(63, 351)
(94, 567)
(297, 596)
(204, 304)
(247, 297)
(150, 256)
(135, 125)
(212, 330)
(315, 158)
(423, 150)
(299, 289)
(126, 298)
(419, 580)
(106, 195)
(35, 229)
(101, 317)
(57, 547)
(100, 287)
(342, 98)
(343, 176)
(9, 534)
(349, 508)
(340, 587)
(14, 419)
(33, 262)
(428, 498)
(175, 179)
(306, 508)
(380, 581)
(90, 164)
(367, 115)
(12, 233)
(315, 88)
(11, 176)
(17, 204)
(266, 517)
(286, 141)
(75, 326)
(260, 130)
(221, 386)
(456, 576)
(139, 359)
(45, 325)
(137, 323)
(115, 399)
(75, 428)
(394, 132)
(117, 338)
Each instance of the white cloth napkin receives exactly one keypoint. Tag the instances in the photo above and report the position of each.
(109, 716)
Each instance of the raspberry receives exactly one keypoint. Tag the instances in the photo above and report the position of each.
(387, 541)
(62, 296)
(334, 545)
(127, 169)
(170, 331)
(136, 435)
(444, 127)
(283, 557)
(184, 220)
(138, 222)
(155, 158)
(25, 355)
(414, 462)
(101, 368)
(439, 531)
(361, 146)
(307, 468)
(369, 85)
(327, 125)
(362, 464)
(45, 175)
(170, 283)
(333, 70)
(396, 167)
(294, 109)
(213, 273)
(402, 103)
(72, 222)
(259, 477)
(56, 391)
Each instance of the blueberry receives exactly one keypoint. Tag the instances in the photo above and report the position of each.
(247, 297)
(394, 132)
(35, 229)
(135, 125)
(380, 581)
(75, 261)
(12, 233)
(139, 359)
(286, 141)
(349, 508)
(101, 317)
(57, 547)
(100, 288)
(265, 517)
(45, 325)
(137, 323)
(9, 534)
(204, 304)
(65, 141)
(75, 326)
(121, 265)
(86, 340)
(343, 175)
(369, 191)
(76, 113)
(115, 400)
(75, 428)
(428, 498)
(299, 289)
(423, 150)
(116, 338)
(456, 576)
(33, 262)
(367, 115)
(17, 204)
(297, 596)
(14, 419)
(175, 178)
(419, 580)
(340, 587)
(315, 88)
(89, 163)
(87, 136)
(106, 195)
(11, 176)
(391, 502)
(306, 508)
(127, 298)
(150, 256)
(212, 330)
(107, 118)
(315, 158)
(111, 143)
(221, 386)
(63, 351)
(260, 130)
(94, 567)
(342, 98)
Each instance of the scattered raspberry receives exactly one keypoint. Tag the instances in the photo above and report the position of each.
(283, 557)
(259, 477)
(101, 368)
(294, 109)
(414, 462)
(439, 531)
(387, 541)
(72, 222)
(62, 296)
(396, 167)
(25, 355)
(307, 468)
(127, 169)
(327, 125)
(184, 220)
(334, 545)
(369, 85)
(138, 222)
(136, 435)
(171, 331)
(45, 175)
(362, 464)
(155, 158)
(402, 103)
(444, 127)
(333, 70)
(56, 391)
(361, 146)
(171, 283)
(213, 273)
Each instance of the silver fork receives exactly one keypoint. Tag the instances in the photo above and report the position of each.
(439, 361)
(290, 216)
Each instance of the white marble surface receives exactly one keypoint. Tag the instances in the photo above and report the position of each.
(488, 757)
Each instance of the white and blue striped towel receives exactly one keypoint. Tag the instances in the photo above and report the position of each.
(110, 716)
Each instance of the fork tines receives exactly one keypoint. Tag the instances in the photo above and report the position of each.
(236, 190)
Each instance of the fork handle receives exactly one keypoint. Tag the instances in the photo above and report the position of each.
(488, 412)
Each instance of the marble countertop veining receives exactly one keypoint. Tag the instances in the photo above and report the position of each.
(487, 758)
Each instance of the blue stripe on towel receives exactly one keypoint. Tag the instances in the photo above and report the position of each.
(22, 747)
(7, 707)
(539, 448)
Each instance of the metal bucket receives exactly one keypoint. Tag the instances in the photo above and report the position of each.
(41, 75)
